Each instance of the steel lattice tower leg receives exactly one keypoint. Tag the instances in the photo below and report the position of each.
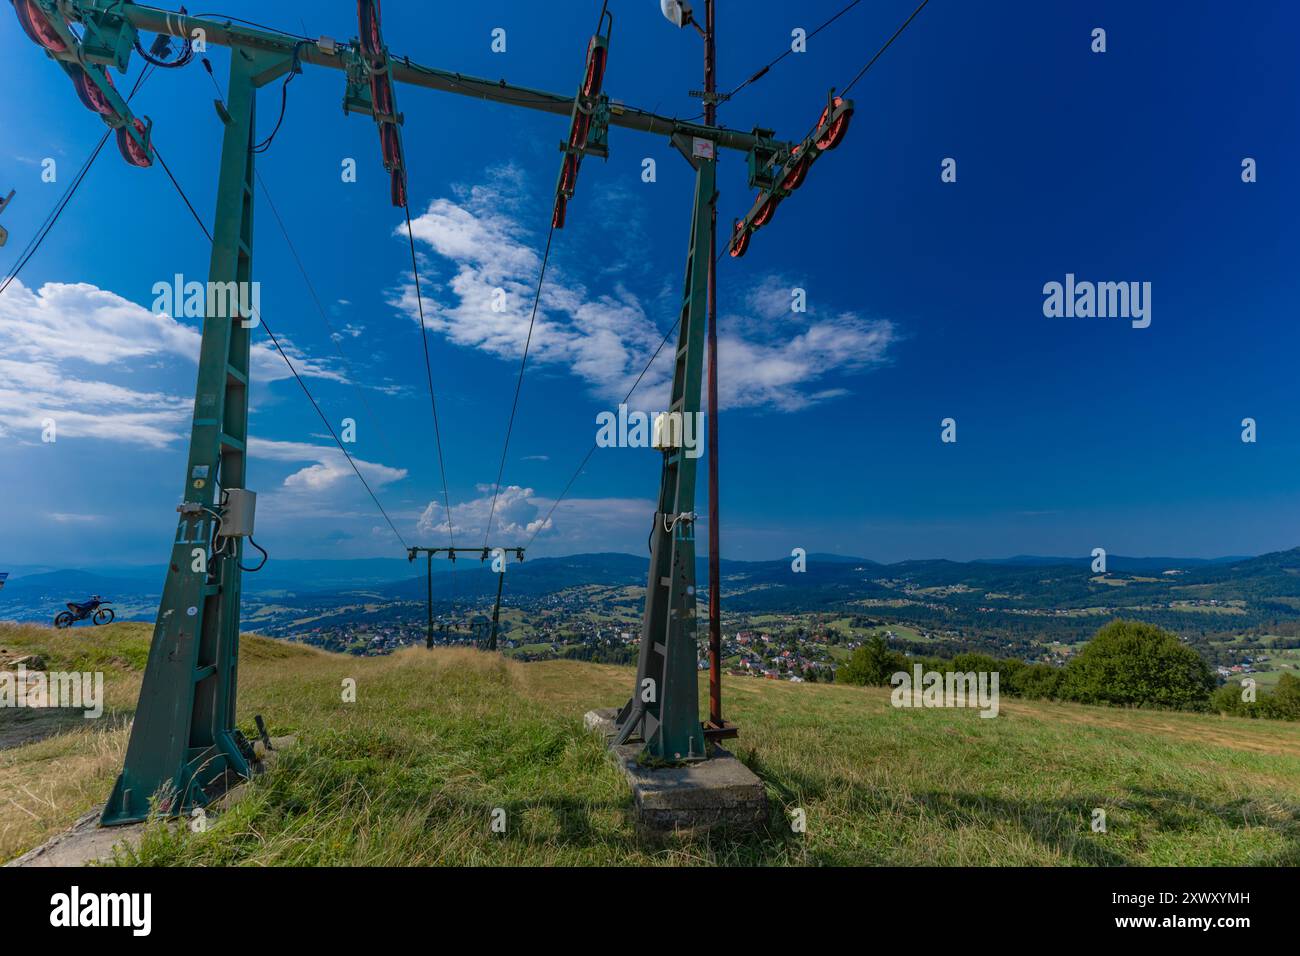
(183, 740)
(664, 707)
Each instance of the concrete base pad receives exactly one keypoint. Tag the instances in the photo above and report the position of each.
(86, 842)
(720, 791)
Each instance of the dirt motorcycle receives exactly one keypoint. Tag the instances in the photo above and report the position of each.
(94, 609)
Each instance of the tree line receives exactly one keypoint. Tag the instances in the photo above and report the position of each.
(1126, 664)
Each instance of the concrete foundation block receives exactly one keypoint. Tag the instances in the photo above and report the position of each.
(719, 791)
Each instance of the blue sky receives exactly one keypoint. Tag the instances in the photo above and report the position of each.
(925, 298)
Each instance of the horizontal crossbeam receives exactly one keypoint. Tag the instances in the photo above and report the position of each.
(405, 70)
(483, 553)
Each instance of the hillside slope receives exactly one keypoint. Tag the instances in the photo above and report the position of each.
(436, 741)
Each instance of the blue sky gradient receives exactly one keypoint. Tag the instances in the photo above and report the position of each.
(925, 298)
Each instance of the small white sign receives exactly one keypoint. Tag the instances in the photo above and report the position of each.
(703, 148)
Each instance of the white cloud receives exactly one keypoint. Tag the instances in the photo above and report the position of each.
(103, 367)
(63, 517)
(81, 321)
(349, 331)
(35, 391)
(598, 524)
(59, 341)
(577, 524)
(319, 491)
(769, 356)
(518, 513)
(784, 374)
(328, 469)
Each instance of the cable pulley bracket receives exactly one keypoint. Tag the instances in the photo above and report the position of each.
(588, 122)
(107, 39)
(777, 173)
(370, 90)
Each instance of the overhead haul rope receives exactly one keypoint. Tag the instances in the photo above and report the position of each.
(519, 383)
(287, 361)
(428, 371)
(789, 49)
(726, 248)
(871, 62)
(256, 25)
(759, 74)
(334, 336)
(862, 72)
(583, 464)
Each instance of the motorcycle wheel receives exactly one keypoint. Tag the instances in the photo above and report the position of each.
(104, 616)
(63, 619)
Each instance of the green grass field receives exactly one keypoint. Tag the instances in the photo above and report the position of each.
(436, 741)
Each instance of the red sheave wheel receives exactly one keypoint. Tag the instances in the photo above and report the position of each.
(368, 14)
(568, 175)
(795, 177)
(596, 56)
(388, 145)
(381, 94)
(765, 214)
(835, 134)
(739, 242)
(131, 151)
(37, 27)
(578, 138)
(91, 96)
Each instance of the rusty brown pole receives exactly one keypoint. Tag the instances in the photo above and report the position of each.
(715, 598)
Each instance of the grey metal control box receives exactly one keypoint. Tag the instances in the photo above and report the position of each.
(237, 515)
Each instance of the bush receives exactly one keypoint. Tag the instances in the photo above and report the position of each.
(871, 664)
(977, 662)
(1036, 682)
(1284, 702)
(1134, 663)
(1227, 700)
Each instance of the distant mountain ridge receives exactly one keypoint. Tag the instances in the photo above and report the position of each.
(827, 576)
(1116, 562)
(1019, 600)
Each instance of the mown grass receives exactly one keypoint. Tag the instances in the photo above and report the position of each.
(412, 772)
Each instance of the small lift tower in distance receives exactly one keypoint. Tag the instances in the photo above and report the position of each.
(497, 554)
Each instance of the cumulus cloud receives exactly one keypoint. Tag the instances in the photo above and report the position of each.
(35, 392)
(518, 512)
(576, 524)
(58, 343)
(328, 469)
(483, 264)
